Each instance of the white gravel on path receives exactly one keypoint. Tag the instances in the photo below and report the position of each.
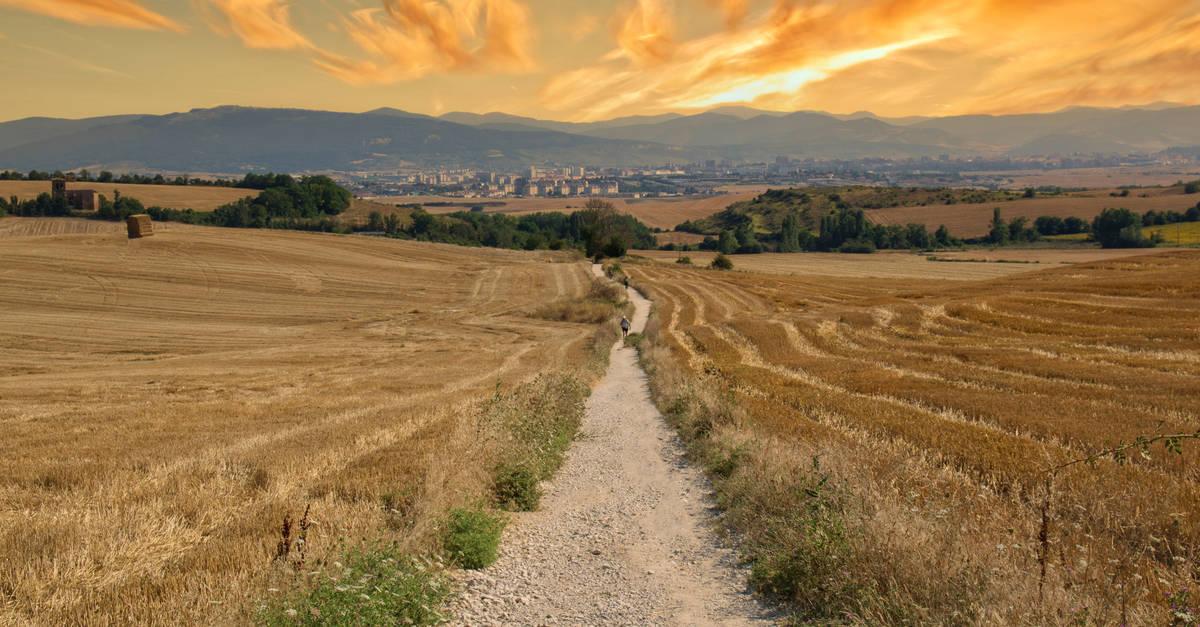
(625, 533)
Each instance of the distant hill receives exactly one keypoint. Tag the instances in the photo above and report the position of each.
(799, 134)
(1080, 129)
(235, 139)
(19, 132)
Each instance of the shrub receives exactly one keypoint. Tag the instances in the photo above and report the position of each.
(857, 247)
(684, 261)
(1192, 188)
(721, 262)
(515, 488)
(473, 538)
(370, 586)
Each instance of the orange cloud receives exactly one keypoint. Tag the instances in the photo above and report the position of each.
(409, 39)
(262, 23)
(645, 32)
(734, 10)
(118, 13)
(899, 57)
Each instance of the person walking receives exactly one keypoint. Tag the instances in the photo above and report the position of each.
(624, 326)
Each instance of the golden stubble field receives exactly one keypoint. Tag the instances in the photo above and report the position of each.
(164, 402)
(953, 265)
(198, 197)
(937, 401)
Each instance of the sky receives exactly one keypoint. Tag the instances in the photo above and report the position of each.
(595, 59)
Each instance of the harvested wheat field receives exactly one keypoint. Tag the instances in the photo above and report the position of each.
(950, 266)
(165, 402)
(198, 197)
(974, 220)
(883, 443)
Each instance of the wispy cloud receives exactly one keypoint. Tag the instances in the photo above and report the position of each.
(262, 24)
(409, 39)
(646, 33)
(71, 61)
(118, 13)
(582, 26)
(734, 10)
(893, 56)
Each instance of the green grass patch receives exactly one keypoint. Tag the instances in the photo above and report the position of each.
(370, 585)
(473, 538)
(539, 427)
(1181, 234)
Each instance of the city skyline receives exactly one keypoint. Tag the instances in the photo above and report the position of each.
(576, 60)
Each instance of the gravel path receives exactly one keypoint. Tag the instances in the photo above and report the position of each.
(624, 534)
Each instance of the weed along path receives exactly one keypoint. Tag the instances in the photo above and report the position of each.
(623, 535)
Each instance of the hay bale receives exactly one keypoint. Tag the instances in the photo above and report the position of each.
(139, 226)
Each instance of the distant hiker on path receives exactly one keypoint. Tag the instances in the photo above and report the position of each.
(624, 326)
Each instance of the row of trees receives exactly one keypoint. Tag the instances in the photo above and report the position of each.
(308, 203)
(844, 229)
(1113, 228)
(250, 181)
(598, 230)
(44, 205)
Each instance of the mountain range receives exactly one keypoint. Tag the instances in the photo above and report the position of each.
(235, 139)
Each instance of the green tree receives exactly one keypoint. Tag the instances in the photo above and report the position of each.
(999, 231)
(727, 243)
(942, 236)
(789, 234)
(1049, 225)
(375, 222)
(1120, 228)
(391, 224)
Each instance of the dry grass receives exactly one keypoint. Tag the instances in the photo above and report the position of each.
(603, 302)
(972, 265)
(933, 407)
(200, 198)
(166, 401)
(663, 213)
(973, 220)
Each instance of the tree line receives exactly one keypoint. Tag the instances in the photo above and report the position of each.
(1116, 227)
(598, 230)
(306, 203)
(842, 230)
(249, 181)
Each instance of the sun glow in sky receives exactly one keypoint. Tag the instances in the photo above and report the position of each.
(589, 59)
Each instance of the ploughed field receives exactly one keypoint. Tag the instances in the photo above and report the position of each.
(938, 402)
(164, 402)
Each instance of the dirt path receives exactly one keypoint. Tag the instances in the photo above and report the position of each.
(623, 535)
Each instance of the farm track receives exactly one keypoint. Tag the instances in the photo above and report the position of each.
(165, 401)
(624, 533)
